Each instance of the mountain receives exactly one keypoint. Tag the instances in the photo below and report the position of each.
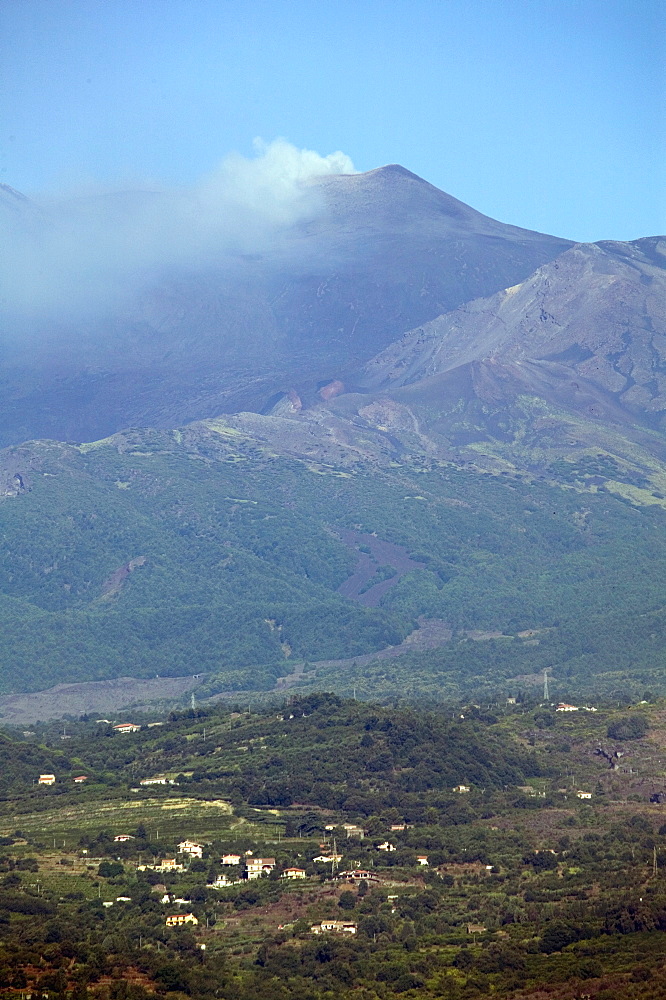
(448, 452)
(598, 311)
(384, 252)
(572, 359)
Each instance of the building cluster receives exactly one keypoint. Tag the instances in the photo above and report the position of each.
(180, 919)
(334, 927)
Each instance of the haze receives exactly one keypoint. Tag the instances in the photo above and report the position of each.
(88, 251)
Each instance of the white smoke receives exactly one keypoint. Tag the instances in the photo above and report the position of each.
(84, 253)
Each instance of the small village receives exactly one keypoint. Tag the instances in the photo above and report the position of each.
(170, 846)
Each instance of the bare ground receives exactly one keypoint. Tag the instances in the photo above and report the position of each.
(94, 697)
(381, 554)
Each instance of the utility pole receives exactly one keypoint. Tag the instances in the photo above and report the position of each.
(334, 862)
(546, 695)
(654, 861)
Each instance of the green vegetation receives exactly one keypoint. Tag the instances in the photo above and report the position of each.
(216, 556)
(629, 728)
(527, 888)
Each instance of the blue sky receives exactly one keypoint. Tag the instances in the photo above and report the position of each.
(547, 114)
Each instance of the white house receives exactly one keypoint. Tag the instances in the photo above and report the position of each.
(334, 927)
(563, 707)
(462, 789)
(221, 882)
(46, 779)
(255, 867)
(583, 795)
(190, 847)
(126, 727)
(230, 859)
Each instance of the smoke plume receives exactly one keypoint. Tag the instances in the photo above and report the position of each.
(85, 253)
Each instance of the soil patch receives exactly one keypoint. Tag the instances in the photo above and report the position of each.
(373, 553)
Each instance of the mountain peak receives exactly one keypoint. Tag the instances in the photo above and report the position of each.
(395, 170)
(381, 253)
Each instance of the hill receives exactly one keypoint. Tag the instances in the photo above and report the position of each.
(417, 853)
(204, 550)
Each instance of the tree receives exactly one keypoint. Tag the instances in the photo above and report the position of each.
(109, 869)
(629, 727)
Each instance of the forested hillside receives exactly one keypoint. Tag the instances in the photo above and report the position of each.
(204, 551)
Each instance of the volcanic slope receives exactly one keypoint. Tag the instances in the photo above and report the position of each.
(204, 550)
(572, 359)
(385, 252)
